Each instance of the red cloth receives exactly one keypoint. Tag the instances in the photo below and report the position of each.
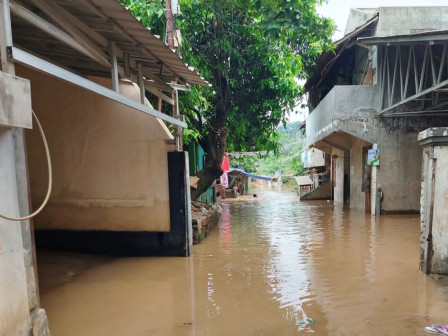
(225, 164)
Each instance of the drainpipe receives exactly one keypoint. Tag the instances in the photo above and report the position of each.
(373, 185)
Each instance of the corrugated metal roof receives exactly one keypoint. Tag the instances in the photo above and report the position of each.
(432, 35)
(100, 21)
(327, 58)
(151, 45)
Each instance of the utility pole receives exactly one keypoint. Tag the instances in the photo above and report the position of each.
(169, 25)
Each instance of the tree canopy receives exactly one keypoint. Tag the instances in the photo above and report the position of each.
(288, 162)
(252, 52)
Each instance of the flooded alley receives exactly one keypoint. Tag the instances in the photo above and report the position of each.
(274, 266)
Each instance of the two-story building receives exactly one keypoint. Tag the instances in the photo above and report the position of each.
(384, 83)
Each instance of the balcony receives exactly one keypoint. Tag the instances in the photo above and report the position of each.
(347, 108)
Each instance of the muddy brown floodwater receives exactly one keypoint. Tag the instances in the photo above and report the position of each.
(275, 266)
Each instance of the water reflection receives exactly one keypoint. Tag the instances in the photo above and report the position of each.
(275, 266)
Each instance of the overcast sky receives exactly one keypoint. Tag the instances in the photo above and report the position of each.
(338, 10)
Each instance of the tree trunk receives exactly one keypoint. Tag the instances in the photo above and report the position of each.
(215, 141)
(214, 144)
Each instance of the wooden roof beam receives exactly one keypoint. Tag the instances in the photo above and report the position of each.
(49, 28)
(98, 12)
(78, 30)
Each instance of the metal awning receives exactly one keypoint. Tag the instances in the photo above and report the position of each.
(424, 37)
(412, 73)
(74, 39)
(91, 25)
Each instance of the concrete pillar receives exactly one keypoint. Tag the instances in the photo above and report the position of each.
(434, 201)
(339, 176)
(19, 304)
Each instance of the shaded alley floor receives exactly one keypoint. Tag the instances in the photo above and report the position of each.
(274, 266)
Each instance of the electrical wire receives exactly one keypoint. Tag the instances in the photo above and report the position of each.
(50, 178)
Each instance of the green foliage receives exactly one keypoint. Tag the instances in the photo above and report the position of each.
(259, 47)
(190, 135)
(252, 52)
(150, 13)
(288, 160)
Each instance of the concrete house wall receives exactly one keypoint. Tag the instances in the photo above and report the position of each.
(313, 158)
(399, 20)
(109, 162)
(405, 20)
(434, 201)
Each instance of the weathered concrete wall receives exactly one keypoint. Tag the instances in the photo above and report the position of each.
(14, 305)
(406, 20)
(440, 212)
(344, 108)
(426, 210)
(350, 109)
(399, 173)
(399, 20)
(109, 162)
(434, 201)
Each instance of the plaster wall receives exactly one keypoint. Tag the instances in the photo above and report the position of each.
(440, 212)
(425, 205)
(110, 165)
(14, 304)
